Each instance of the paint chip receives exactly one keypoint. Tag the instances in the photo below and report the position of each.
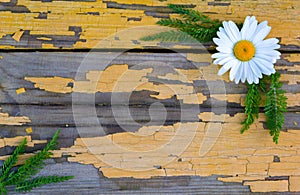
(44, 38)
(29, 130)
(17, 36)
(20, 90)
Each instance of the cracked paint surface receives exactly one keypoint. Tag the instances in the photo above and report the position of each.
(50, 24)
(6, 119)
(251, 159)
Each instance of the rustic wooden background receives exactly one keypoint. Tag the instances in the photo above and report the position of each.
(45, 46)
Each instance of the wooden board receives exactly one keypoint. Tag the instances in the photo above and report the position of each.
(141, 117)
(85, 23)
(42, 92)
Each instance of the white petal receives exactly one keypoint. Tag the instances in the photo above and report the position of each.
(265, 66)
(219, 55)
(234, 70)
(245, 27)
(221, 61)
(239, 73)
(266, 57)
(256, 80)
(230, 33)
(224, 37)
(225, 60)
(271, 53)
(250, 77)
(251, 30)
(265, 47)
(223, 42)
(255, 69)
(261, 31)
(227, 66)
(252, 19)
(268, 42)
(234, 30)
(260, 35)
(216, 61)
(217, 41)
(224, 49)
(245, 72)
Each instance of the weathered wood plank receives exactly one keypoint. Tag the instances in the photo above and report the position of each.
(38, 90)
(22, 71)
(87, 180)
(144, 102)
(83, 24)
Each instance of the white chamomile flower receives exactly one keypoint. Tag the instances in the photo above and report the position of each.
(245, 52)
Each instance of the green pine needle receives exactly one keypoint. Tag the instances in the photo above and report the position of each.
(275, 105)
(39, 181)
(252, 103)
(22, 178)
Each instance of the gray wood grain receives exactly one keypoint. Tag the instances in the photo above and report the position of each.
(87, 180)
(49, 111)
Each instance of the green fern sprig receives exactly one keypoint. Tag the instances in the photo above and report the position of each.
(190, 14)
(275, 106)
(35, 163)
(193, 23)
(12, 160)
(22, 178)
(252, 103)
(39, 181)
(169, 36)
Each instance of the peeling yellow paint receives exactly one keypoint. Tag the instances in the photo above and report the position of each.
(17, 36)
(293, 99)
(21, 160)
(239, 157)
(52, 84)
(203, 57)
(294, 182)
(97, 27)
(242, 178)
(292, 79)
(293, 58)
(5, 1)
(237, 98)
(15, 141)
(44, 38)
(118, 78)
(5, 119)
(20, 90)
(250, 155)
(28, 130)
(268, 186)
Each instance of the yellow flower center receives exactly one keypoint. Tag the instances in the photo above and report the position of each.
(244, 50)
